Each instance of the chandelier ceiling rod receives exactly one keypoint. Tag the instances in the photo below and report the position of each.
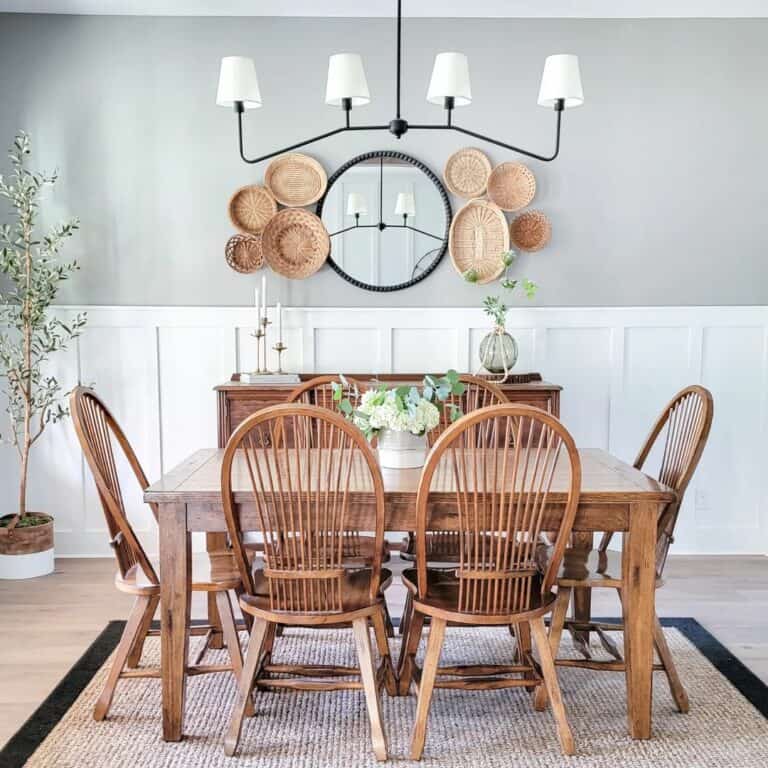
(560, 88)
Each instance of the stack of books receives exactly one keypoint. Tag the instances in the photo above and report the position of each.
(270, 378)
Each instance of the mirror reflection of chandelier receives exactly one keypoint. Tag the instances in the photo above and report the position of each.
(405, 206)
(449, 87)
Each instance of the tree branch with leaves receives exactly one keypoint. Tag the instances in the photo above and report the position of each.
(29, 334)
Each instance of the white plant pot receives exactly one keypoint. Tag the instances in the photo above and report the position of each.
(26, 566)
(401, 450)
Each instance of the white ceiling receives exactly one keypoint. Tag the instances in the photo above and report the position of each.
(604, 9)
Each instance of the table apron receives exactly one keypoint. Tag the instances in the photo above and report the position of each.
(209, 517)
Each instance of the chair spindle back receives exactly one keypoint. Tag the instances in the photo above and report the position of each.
(98, 433)
(500, 463)
(300, 493)
(685, 424)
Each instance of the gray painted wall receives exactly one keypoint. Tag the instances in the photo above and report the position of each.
(658, 196)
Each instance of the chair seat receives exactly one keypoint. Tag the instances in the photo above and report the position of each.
(588, 568)
(356, 586)
(214, 573)
(443, 599)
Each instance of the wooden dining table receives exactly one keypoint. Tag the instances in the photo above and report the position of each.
(614, 497)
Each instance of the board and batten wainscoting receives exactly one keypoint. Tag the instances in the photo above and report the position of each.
(157, 366)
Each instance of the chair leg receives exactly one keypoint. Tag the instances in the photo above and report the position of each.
(136, 621)
(134, 657)
(380, 633)
(665, 656)
(407, 610)
(390, 629)
(408, 648)
(557, 622)
(549, 672)
(368, 675)
(426, 686)
(231, 640)
(245, 685)
(522, 634)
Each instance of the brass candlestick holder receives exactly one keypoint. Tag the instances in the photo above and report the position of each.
(280, 348)
(260, 334)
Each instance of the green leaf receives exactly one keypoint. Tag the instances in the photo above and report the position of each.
(346, 407)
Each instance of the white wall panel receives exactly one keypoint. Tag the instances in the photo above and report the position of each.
(427, 350)
(580, 360)
(157, 366)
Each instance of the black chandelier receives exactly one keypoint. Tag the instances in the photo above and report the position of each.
(449, 87)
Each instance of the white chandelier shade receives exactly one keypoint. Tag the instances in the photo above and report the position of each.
(405, 205)
(561, 81)
(346, 80)
(356, 205)
(450, 79)
(238, 83)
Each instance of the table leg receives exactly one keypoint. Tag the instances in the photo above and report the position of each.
(639, 577)
(175, 606)
(582, 597)
(215, 542)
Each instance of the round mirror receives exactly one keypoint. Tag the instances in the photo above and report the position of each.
(388, 217)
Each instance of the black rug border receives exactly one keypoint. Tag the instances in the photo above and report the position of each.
(30, 736)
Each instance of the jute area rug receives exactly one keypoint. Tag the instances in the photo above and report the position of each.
(727, 724)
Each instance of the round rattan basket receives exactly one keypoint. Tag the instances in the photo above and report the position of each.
(511, 186)
(251, 207)
(466, 173)
(295, 243)
(478, 236)
(244, 254)
(296, 180)
(530, 231)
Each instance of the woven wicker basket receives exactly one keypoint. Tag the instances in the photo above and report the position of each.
(466, 173)
(295, 243)
(511, 186)
(530, 231)
(478, 236)
(296, 180)
(251, 207)
(244, 253)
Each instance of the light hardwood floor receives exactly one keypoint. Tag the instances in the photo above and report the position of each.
(47, 623)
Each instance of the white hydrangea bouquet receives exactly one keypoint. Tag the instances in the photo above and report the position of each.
(400, 417)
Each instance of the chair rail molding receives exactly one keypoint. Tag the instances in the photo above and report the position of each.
(155, 366)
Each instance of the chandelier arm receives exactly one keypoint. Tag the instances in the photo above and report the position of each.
(299, 144)
(466, 131)
(415, 229)
(353, 226)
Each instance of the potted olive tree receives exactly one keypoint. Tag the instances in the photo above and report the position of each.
(30, 274)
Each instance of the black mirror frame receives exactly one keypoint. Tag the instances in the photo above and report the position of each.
(446, 207)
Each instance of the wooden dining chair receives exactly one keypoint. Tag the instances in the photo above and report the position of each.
(495, 470)
(682, 429)
(100, 435)
(300, 495)
(318, 391)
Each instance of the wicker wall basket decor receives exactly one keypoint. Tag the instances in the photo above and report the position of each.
(251, 207)
(511, 186)
(244, 253)
(295, 243)
(530, 231)
(296, 180)
(478, 236)
(466, 173)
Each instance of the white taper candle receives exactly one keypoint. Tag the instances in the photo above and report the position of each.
(264, 293)
(279, 321)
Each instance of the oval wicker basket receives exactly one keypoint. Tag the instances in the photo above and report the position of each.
(530, 231)
(244, 253)
(296, 180)
(478, 236)
(511, 186)
(295, 243)
(251, 207)
(466, 173)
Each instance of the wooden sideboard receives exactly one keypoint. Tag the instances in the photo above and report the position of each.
(236, 401)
